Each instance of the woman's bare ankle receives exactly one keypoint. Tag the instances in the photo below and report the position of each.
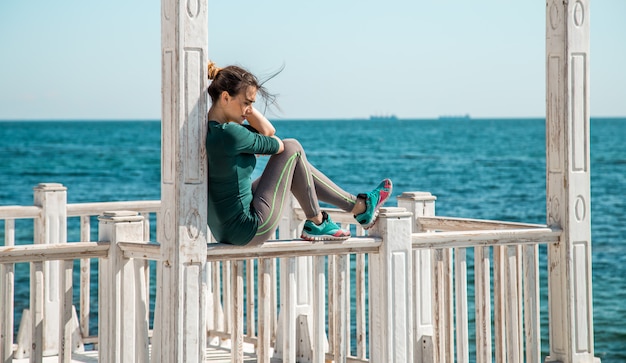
(318, 219)
(359, 206)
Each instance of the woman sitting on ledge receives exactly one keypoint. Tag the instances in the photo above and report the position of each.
(243, 212)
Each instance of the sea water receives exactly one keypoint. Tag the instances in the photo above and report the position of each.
(478, 168)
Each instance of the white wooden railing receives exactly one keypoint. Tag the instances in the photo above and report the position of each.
(298, 298)
(49, 215)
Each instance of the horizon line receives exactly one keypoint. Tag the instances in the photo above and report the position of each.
(438, 118)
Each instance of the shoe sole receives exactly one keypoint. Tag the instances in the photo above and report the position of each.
(323, 238)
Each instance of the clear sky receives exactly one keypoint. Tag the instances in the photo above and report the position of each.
(76, 59)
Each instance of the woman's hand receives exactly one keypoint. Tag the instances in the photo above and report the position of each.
(260, 123)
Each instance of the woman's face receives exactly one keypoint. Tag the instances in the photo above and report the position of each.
(240, 106)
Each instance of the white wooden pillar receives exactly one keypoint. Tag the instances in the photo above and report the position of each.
(568, 182)
(182, 231)
(391, 331)
(421, 204)
(122, 295)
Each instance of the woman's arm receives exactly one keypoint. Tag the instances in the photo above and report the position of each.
(281, 146)
(260, 123)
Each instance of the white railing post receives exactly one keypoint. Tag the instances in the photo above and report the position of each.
(421, 204)
(391, 332)
(122, 320)
(295, 328)
(180, 324)
(568, 196)
(7, 292)
(41, 336)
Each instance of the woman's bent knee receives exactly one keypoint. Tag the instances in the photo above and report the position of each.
(292, 146)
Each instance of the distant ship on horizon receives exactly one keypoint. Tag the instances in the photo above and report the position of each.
(384, 117)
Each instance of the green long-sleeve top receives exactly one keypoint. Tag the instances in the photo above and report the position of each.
(231, 150)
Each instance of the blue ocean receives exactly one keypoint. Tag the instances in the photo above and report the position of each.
(478, 168)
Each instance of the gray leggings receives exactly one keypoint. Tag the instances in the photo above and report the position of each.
(290, 171)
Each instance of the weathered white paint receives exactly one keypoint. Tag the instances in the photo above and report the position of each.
(319, 323)
(532, 320)
(182, 230)
(48, 283)
(440, 223)
(7, 292)
(486, 238)
(50, 229)
(340, 309)
(41, 253)
(237, 311)
(264, 315)
(421, 204)
(85, 278)
(301, 318)
(482, 283)
(391, 327)
(361, 311)
(568, 183)
(499, 304)
(461, 314)
(443, 342)
(123, 335)
(511, 308)
(510, 271)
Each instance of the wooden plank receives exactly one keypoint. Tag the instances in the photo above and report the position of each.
(340, 310)
(65, 326)
(319, 300)
(438, 307)
(237, 312)
(85, 279)
(7, 292)
(462, 333)
(361, 317)
(288, 302)
(142, 251)
(520, 300)
(227, 296)
(511, 306)
(274, 299)
(20, 212)
(218, 316)
(292, 248)
(482, 291)
(499, 311)
(37, 300)
(94, 209)
(348, 311)
(532, 320)
(56, 252)
(332, 303)
(440, 223)
(448, 305)
(485, 238)
(265, 335)
(250, 286)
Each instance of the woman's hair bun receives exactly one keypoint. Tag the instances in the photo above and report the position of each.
(212, 70)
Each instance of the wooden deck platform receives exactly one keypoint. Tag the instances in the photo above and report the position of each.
(214, 354)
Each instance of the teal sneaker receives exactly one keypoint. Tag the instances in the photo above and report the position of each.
(327, 231)
(373, 201)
